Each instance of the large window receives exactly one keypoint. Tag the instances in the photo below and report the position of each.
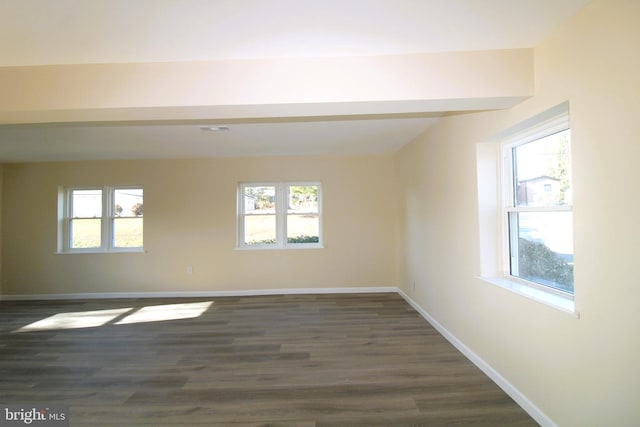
(537, 209)
(279, 215)
(102, 219)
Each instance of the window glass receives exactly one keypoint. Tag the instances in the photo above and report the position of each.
(86, 203)
(259, 230)
(259, 200)
(303, 229)
(542, 171)
(541, 245)
(303, 199)
(86, 233)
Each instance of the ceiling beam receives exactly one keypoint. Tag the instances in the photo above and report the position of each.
(266, 88)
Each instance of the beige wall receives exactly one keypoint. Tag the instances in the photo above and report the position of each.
(190, 220)
(579, 372)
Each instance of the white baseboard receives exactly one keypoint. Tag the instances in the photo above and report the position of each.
(535, 412)
(199, 294)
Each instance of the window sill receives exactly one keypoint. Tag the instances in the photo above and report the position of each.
(558, 302)
(115, 251)
(277, 248)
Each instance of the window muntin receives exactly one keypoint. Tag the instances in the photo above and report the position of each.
(279, 215)
(538, 215)
(103, 219)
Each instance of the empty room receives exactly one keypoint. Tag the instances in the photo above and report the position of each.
(330, 213)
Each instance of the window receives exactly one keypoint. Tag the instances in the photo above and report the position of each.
(537, 215)
(279, 215)
(101, 219)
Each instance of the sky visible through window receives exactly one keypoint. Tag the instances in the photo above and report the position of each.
(88, 203)
(543, 156)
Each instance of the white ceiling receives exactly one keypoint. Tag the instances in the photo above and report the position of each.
(162, 141)
(40, 32)
(35, 32)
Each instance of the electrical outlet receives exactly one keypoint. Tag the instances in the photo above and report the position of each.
(413, 286)
(189, 270)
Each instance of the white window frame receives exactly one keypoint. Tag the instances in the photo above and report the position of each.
(106, 220)
(495, 190)
(281, 214)
(541, 130)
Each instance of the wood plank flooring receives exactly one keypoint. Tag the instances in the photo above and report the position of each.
(283, 360)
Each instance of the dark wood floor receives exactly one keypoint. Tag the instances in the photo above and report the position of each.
(294, 360)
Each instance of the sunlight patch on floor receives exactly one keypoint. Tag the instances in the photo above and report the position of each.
(96, 318)
(75, 320)
(159, 313)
